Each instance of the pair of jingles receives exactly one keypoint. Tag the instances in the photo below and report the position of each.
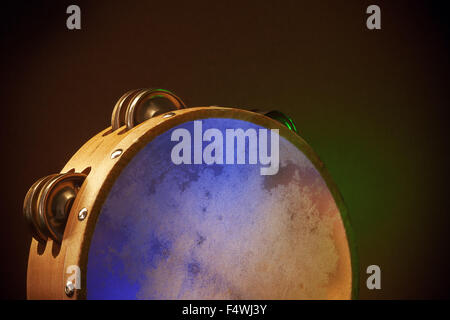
(122, 221)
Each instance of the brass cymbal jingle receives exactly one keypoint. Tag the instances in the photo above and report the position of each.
(138, 105)
(48, 202)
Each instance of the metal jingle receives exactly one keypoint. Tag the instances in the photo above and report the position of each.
(30, 210)
(280, 117)
(118, 114)
(55, 202)
(150, 103)
(48, 202)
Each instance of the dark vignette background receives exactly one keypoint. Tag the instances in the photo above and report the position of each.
(373, 104)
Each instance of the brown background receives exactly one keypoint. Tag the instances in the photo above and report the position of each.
(372, 103)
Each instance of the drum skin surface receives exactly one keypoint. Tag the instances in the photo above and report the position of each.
(221, 231)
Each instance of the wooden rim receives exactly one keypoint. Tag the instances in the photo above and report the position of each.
(47, 265)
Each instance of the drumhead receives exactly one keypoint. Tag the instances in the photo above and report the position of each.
(171, 230)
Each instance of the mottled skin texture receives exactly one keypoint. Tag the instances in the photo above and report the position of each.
(218, 231)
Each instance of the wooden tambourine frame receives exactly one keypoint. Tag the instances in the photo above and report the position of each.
(103, 157)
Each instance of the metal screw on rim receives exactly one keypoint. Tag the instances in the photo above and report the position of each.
(116, 153)
(69, 289)
(82, 214)
(168, 115)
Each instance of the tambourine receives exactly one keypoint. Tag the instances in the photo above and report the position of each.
(173, 202)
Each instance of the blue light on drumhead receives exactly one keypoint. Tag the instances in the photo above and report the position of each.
(218, 231)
